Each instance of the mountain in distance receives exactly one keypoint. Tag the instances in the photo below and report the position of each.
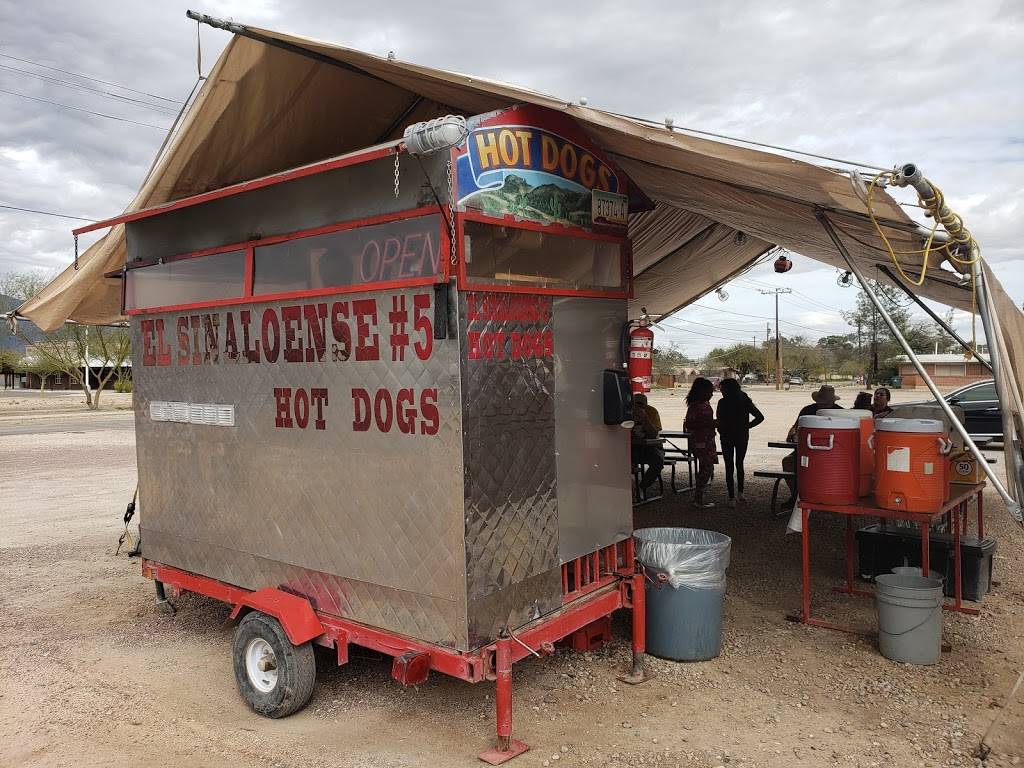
(548, 202)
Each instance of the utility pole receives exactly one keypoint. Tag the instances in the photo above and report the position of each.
(767, 352)
(778, 346)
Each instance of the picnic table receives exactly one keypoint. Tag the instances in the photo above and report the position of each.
(955, 510)
(778, 475)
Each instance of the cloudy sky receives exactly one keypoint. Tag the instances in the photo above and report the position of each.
(937, 83)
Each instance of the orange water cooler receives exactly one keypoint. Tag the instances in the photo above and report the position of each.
(911, 464)
(866, 420)
(828, 460)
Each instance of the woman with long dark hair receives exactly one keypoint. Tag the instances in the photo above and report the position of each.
(734, 425)
(700, 423)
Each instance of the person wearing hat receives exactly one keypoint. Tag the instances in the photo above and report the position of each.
(824, 398)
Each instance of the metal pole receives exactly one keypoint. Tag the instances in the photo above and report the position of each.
(931, 313)
(1011, 504)
(778, 341)
(778, 347)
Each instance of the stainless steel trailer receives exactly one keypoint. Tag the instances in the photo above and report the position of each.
(369, 400)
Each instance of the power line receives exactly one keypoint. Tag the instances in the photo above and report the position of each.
(699, 333)
(759, 317)
(87, 89)
(47, 213)
(87, 111)
(86, 77)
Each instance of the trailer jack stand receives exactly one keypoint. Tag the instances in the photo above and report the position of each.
(506, 747)
(637, 675)
(162, 603)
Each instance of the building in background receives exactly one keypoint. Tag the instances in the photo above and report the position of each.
(946, 370)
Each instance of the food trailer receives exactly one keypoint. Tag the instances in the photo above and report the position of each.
(379, 402)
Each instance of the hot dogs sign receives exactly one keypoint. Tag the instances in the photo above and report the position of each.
(534, 164)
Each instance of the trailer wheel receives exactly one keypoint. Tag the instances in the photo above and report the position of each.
(274, 677)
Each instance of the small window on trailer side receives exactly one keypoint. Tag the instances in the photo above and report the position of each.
(189, 280)
(504, 256)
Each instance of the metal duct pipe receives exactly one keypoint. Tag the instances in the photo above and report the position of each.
(909, 175)
(1013, 507)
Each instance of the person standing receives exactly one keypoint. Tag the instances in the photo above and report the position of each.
(700, 423)
(733, 416)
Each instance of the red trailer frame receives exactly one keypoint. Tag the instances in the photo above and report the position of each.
(593, 587)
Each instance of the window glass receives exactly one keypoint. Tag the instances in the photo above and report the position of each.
(950, 369)
(500, 255)
(186, 281)
(397, 250)
(976, 394)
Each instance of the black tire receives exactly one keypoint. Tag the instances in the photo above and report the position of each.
(295, 666)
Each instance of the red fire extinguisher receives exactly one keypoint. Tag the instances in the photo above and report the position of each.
(641, 358)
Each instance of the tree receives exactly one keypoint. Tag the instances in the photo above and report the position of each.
(875, 342)
(85, 353)
(41, 367)
(24, 285)
(745, 358)
(666, 359)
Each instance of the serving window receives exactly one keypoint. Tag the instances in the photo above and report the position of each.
(215, 277)
(515, 258)
(386, 252)
(401, 250)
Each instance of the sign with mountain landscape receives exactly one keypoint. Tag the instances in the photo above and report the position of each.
(535, 164)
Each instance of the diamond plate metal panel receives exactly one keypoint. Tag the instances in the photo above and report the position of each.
(592, 459)
(370, 522)
(508, 426)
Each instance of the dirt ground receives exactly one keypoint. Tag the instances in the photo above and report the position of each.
(93, 674)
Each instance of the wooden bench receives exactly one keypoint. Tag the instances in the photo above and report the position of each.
(780, 477)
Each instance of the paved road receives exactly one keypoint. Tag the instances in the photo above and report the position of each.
(76, 423)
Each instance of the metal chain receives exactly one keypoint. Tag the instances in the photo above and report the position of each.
(76, 253)
(451, 213)
(396, 175)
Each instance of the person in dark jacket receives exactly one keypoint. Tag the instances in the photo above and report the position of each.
(700, 423)
(733, 416)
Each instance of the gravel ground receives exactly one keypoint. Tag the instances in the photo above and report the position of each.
(95, 675)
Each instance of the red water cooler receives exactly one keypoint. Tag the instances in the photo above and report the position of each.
(828, 460)
(911, 464)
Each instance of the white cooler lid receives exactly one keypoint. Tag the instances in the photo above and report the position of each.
(851, 413)
(910, 425)
(827, 422)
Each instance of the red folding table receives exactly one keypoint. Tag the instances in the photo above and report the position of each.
(955, 511)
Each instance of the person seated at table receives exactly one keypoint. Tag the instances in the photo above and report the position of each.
(700, 423)
(646, 426)
(863, 401)
(824, 399)
(734, 425)
(880, 403)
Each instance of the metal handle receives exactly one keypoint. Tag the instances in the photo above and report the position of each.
(871, 441)
(945, 446)
(811, 446)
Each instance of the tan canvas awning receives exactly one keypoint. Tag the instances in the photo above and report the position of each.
(264, 109)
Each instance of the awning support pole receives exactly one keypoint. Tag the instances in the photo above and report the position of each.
(1004, 393)
(931, 313)
(1011, 504)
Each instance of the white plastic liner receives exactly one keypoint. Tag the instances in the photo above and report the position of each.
(688, 557)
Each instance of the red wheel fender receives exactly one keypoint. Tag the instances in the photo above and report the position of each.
(294, 613)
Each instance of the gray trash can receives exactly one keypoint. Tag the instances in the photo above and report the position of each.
(685, 586)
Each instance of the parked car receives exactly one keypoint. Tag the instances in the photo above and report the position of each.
(795, 381)
(982, 414)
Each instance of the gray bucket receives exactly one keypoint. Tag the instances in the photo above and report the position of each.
(685, 587)
(909, 617)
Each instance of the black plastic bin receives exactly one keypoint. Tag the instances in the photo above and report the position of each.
(880, 548)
